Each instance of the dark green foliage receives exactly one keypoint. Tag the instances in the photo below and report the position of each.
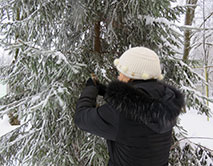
(56, 45)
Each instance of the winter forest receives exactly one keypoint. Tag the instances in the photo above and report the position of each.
(51, 47)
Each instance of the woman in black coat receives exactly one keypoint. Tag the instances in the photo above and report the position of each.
(139, 113)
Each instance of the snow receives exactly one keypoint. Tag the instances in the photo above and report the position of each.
(198, 126)
(5, 58)
(151, 20)
(5, 126)
(3, 89)
(4, 123)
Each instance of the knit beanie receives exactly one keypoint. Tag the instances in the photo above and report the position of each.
(139, 63)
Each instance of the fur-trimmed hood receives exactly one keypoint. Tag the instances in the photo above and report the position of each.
(151, 102)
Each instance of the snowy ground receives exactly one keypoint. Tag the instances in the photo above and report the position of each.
(199, 126)
(196, 125)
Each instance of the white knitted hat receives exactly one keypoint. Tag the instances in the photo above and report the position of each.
(139, 63)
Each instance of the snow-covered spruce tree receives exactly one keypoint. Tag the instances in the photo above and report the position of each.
(55, 46)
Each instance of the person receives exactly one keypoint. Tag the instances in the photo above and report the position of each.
(139, 114)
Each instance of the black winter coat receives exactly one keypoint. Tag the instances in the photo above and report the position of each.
(136, 121)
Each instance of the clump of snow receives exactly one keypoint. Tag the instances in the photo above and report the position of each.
(151, 20)
(5, 58)
(4, 123)
(3, 90)
(5, 126)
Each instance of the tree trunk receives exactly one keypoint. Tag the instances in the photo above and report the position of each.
(97, 40)
(188, 21)
(205, 52)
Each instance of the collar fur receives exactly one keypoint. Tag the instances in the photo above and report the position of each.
(153, 103)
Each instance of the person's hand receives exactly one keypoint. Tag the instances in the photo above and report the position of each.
(101, 88)
(90, 82)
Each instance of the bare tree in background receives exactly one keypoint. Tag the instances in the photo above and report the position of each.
(202, 42)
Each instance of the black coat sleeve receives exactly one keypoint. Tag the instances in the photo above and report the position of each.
(101, 121)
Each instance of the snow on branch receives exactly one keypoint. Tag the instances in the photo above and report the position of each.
(151, 20)
(188, 27)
